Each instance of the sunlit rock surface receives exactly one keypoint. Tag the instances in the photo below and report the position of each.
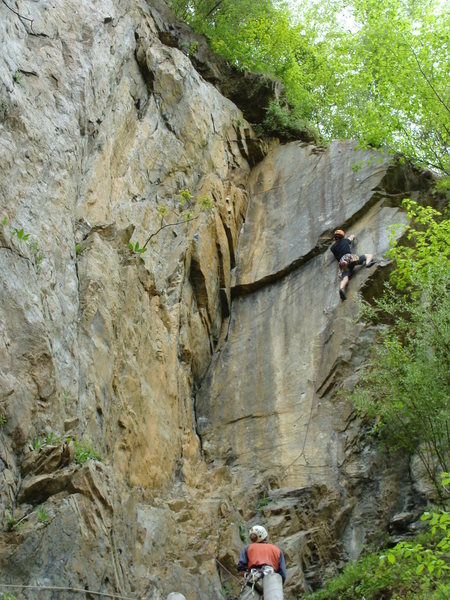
(273, 405)
(207, 372)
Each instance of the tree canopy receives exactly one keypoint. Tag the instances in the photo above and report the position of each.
(374, 70)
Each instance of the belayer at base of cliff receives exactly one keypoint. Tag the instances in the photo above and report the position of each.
(263, 567)
(347, 261)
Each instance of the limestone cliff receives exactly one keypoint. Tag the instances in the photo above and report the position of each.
(209, 373)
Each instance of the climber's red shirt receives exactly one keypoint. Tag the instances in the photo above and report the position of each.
(256, 555)
(263, 554)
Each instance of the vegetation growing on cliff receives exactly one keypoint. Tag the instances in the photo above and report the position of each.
(405, 390)
(367, 69)
(183, 209)
(417, 568)
(374, 578)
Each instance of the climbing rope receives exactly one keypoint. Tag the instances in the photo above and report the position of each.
(229, 572)
(84, 591)
(64, 589)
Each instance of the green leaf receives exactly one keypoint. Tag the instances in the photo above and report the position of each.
(379, 75)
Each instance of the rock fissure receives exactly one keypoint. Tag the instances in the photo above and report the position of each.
(248, 288)
(212, 378)
(324, 243)
(16, 252)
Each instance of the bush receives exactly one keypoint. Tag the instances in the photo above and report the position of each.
(414, 569)
(286, 124)
(405, 388)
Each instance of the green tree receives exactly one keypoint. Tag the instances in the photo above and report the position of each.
(406, 388)
(426, 249)
(241, 30)
(263, 37)
(374, 70)
(390, 87)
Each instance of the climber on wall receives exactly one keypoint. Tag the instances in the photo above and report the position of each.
(347, 261)
(263, 566)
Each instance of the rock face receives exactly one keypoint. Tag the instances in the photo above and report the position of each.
(273, 405)
(208, 373)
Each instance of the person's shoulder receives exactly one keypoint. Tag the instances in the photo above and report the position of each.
(274, 546)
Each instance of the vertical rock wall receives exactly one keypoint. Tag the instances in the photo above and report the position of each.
(273, 406)
(103, 120)
(101, 125)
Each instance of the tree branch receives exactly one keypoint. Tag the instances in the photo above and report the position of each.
(168, 225)
(216, 5)
(424, 75)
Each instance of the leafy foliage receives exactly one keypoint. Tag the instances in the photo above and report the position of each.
(375, 70)
(416, 568)
(258, 25)
(17, 77)
(21, 235)
(390, 60)
(431, 558)
(42, 515)
(183, 209)
(84, 452)
(406, 388)
(19, 240)
(286, 123)
(136, 248)
(10, 521)
(428, 247)
(263, 37)
(396, 573)
(262, 502)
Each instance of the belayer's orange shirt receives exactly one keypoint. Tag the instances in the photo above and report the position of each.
(263, 554)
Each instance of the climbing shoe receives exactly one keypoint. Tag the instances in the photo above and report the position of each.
(370, 264)
(342, 294)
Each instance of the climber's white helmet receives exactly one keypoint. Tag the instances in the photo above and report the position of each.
(257, 533)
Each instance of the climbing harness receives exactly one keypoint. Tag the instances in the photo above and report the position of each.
(347, 260)
(254, 578)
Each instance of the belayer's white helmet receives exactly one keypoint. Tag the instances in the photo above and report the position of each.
(257, 533)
